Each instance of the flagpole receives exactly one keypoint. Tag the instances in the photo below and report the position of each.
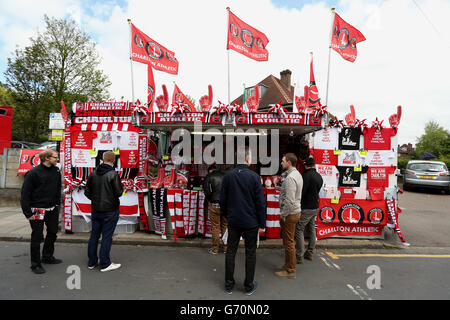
(329, 54)
(228, 57)
(131, 63)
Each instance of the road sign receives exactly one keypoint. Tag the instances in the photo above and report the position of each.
(56, 121)
(57, 135)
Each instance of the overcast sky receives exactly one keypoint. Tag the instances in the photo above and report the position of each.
(404, 61)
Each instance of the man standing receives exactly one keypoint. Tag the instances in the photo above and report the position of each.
(103, 188)
(312, 183)
(242, 204)
(212, 189)
(290, 197)
(40, 200)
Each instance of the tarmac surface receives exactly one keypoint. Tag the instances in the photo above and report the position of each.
(425, 222)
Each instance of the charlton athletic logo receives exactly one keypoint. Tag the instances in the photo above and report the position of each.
(327, 214)
(351, 213)
(375, 216)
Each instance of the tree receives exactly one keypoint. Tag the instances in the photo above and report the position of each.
(6, 98)
(60, 64)
(435, 140)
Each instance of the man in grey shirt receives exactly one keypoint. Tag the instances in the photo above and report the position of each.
(290, 198)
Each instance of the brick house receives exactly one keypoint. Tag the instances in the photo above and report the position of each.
(271, 91)
(405, 150)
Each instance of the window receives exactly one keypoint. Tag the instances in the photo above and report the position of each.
(433, 167)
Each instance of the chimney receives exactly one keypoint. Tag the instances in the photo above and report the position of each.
(285, 78)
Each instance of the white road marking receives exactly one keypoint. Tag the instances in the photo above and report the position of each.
(355, 292)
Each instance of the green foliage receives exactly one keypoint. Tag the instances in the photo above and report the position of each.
(435, 140)
(61, 64)
(402, 162)
(6, 98)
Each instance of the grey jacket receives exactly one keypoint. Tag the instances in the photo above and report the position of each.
(291, 193)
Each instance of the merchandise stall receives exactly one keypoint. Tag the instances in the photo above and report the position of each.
(175, 188)
(164, 194)
(95, 128)
(358, 164)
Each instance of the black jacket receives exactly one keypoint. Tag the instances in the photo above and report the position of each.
(41, 189)
(104, 188)
(242, 199)
(213, 186)
(312, 182)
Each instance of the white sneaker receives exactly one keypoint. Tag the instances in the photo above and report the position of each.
(112, 266)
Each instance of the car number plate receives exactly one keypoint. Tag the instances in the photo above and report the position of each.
(426, 177)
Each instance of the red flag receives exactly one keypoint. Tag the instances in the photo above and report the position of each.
(246, 40)
(180, 98)
(64, 112)
(146, 50)
(344, 38)
(253, 101)
(313, 94)
(150, 88)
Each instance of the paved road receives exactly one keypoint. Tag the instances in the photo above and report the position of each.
(425, 221)
(192, 274)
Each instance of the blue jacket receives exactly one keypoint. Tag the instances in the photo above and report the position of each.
(242, 199)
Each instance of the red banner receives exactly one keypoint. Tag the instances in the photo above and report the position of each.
(313, 92)
(181, 99)
(150, 88)
(351, 218)
(145, 50)
(344, 38)
(246, 40)
(29, 158)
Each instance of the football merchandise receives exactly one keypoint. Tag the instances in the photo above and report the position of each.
(350, 158)
(349, 177)
(325, 157)
(378, 139)
(379, 176)
(105, 140)
(329, 174)
(326, 138)
(349, 138)
(378, 158)
(83, 139)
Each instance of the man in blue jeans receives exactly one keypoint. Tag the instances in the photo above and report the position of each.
(242, 204)
(103, 188)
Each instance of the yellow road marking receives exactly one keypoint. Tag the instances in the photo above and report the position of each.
(358, 255)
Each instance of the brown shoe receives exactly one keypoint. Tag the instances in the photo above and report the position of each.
(300, 261)
(279, 268)
(285, 274)
(308, 256)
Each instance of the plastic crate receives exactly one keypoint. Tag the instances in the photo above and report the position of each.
(126, 228)
(80, 225)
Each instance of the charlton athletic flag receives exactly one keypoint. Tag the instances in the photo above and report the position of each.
(344, 38)
(246, 40)
(145, 50)
(181, 99)
(313, 94)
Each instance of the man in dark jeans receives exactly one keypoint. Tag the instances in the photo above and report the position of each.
(312, 183)
(212, 189)
(103, 188)
(242, 203)
(40, 199)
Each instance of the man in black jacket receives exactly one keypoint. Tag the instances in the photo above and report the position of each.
(40, 200)
(312, 183)
(103, 188)
(212, 189)
(242, 204)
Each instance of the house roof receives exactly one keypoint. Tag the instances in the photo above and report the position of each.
(275, 92)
